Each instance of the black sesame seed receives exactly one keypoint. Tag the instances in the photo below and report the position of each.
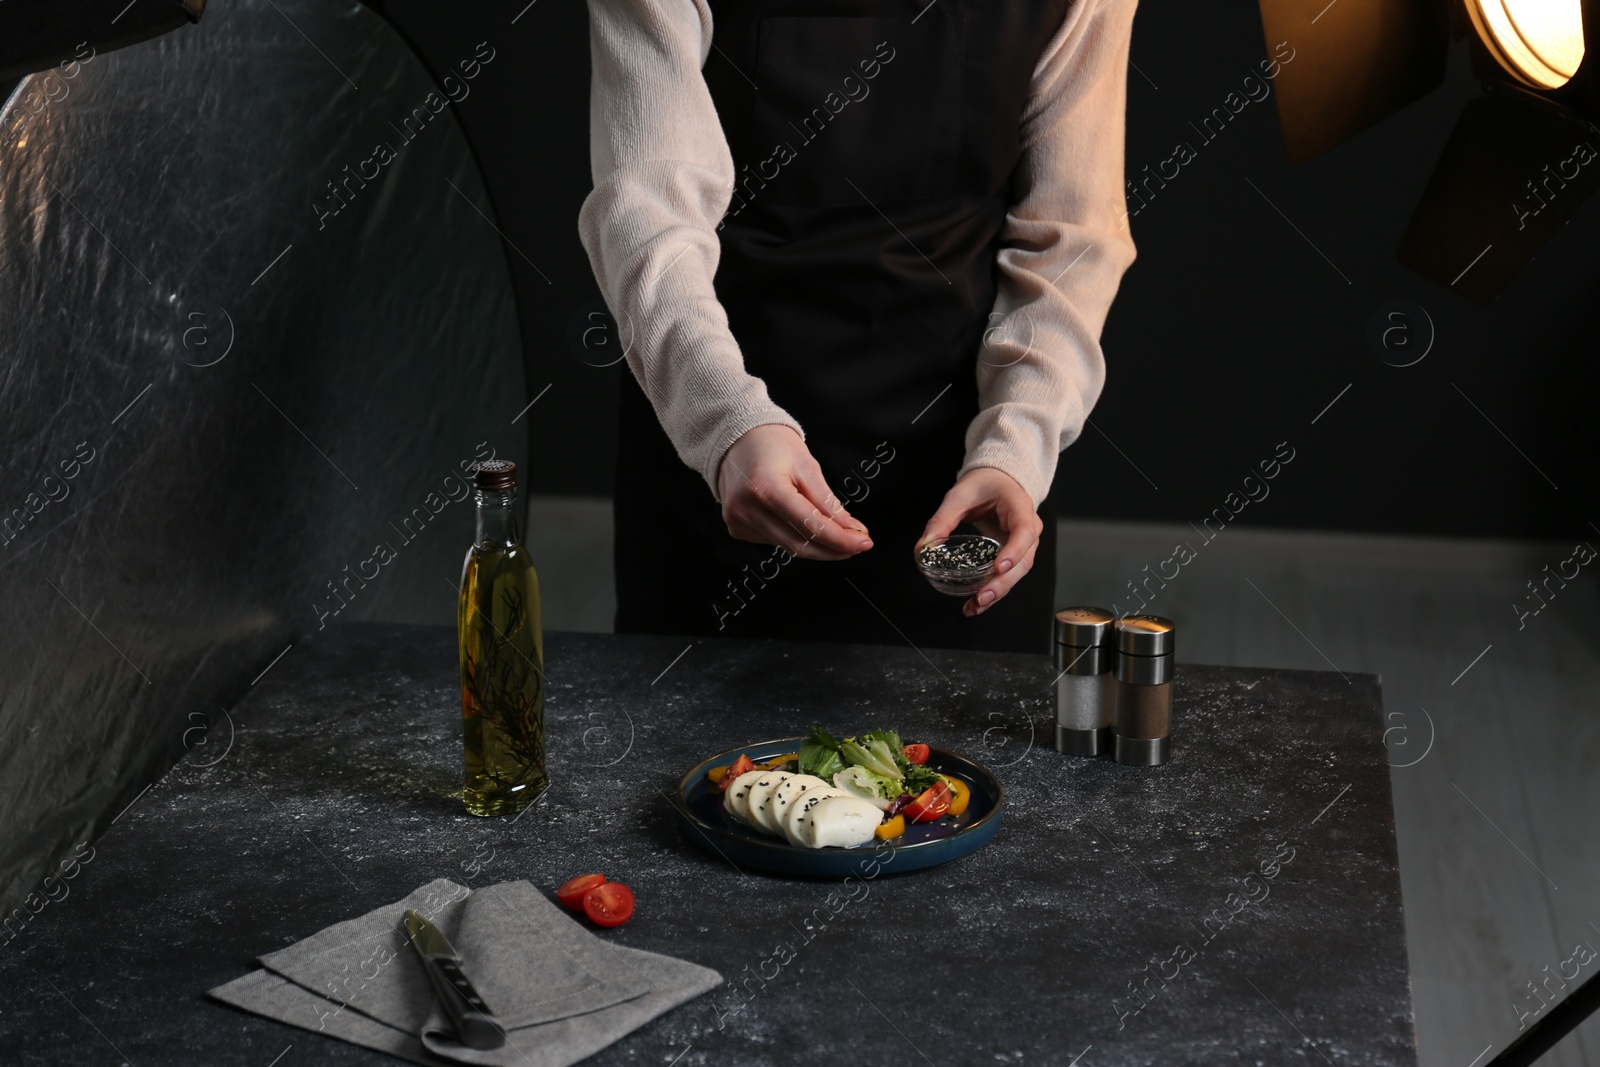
(961, 555)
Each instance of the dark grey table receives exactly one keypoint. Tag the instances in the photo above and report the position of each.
(1240, 905)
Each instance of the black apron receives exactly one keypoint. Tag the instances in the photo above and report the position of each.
(874, 144)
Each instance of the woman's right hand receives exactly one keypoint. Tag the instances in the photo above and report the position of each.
(773, 493)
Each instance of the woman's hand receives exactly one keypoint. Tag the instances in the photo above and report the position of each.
(773, 493)
(991, 500)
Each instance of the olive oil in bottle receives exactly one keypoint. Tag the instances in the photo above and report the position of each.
(502, 654)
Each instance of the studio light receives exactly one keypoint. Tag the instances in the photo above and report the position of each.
(1522, 158)
(1537, 41)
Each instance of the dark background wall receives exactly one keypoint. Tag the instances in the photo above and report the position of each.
(1245, 315)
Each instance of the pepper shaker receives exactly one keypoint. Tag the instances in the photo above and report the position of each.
(1142, 733)
(1086, 692)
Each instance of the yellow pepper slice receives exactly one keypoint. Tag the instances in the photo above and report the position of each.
(892, 828)
(961, 794)
(778, 761)
(716, 773)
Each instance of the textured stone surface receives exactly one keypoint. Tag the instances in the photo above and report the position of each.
(336, 796)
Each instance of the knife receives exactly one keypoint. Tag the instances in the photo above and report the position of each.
(475, 1024)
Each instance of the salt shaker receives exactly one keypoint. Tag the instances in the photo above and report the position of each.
(1086, 690)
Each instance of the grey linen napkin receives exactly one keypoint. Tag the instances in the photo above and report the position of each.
(561, 992)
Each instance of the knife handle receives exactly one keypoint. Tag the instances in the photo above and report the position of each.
(475, 1024)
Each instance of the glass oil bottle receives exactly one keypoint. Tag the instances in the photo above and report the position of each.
(502, 654)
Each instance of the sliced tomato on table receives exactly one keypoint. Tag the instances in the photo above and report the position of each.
(932, 803)
(915, 753)
(739, 766)
(608, 904)
(571, 893)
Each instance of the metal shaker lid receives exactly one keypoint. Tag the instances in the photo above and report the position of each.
(1145, 635)
(1083, 627)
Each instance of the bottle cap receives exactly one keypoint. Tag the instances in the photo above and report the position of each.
(1083, 627)
(494, 475)
(1145, 635)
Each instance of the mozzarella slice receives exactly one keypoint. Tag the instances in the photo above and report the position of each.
(735, 800)
(797, 817)
(841, 821)
(759, 802)
(783, 797)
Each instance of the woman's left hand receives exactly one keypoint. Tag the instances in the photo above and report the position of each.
(998, 506)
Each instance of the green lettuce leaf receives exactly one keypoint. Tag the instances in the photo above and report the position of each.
(819, 755)
(861, 782)
(875, 756)
(889, 737)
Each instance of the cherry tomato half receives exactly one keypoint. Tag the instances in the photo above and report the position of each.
(608, 904)
(934, 802)
(915, 753)
(571, 894)
(742, 765)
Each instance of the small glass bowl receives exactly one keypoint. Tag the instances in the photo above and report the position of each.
(958, 581)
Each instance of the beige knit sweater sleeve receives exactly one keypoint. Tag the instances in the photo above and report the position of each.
(663, 177)
(1065, 247)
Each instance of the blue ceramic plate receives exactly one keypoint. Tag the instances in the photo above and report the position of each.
(699, 805)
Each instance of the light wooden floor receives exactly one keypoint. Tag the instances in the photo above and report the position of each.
(1496, 759)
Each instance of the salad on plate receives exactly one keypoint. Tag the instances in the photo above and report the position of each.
(840, 792)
